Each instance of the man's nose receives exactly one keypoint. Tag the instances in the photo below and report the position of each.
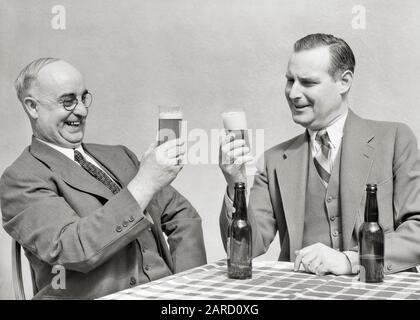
(81, 110)
(294, 91)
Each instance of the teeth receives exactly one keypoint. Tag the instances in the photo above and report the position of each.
(73, 123)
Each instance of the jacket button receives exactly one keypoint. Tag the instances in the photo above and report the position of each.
(147, 267)
(389, 267)
(335, 233)
(125, 223)
(133, 281)
(332, 218)
(329, 199)
(143, 249)
(118, 229)
(131, 219)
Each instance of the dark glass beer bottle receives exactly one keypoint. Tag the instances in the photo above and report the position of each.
(240, 251)
(371, 241)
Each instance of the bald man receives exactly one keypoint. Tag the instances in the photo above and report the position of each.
(95, 210)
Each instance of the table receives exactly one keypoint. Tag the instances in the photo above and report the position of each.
(271, 280)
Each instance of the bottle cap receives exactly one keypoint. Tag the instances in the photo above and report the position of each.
(239, 185)
(371, 187)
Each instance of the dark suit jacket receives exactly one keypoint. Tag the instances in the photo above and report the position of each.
(62, 215)
(384, 153)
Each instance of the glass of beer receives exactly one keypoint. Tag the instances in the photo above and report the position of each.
(234, 121)
(170, 123)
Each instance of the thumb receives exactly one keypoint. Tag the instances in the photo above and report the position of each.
(151, 147)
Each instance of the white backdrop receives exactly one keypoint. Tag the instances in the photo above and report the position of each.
(206, 56)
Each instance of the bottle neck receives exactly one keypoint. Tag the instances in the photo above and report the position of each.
(239, 203)
(371, 210)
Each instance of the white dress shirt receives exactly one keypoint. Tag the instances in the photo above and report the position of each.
(69, 153)
(335, 133)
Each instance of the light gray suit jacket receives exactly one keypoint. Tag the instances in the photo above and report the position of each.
(63, 216)
(384, 153)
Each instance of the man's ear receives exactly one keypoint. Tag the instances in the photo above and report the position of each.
(31, 107)
(345, 81)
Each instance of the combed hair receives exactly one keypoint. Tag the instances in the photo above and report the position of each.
(28, 75)
(342, 57)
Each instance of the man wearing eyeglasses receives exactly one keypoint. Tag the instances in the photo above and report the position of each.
(93, 209)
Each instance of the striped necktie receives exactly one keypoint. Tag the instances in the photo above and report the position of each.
(323, 157)
(96, 172)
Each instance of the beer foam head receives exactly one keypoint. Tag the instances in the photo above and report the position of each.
(176, 114)
(234, 120)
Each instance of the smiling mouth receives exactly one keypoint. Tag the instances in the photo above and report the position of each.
(73, 123)
(300, 107)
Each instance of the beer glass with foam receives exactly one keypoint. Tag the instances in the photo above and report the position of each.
(234, 121)
(170, 123)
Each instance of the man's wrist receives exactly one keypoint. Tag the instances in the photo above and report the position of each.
(142, 192)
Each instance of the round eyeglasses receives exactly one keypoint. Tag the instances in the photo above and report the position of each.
(71, 103)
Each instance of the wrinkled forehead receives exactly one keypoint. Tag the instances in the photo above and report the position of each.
(309, 62)
(59, 78)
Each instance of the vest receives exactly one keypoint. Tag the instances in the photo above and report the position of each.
(322, 208)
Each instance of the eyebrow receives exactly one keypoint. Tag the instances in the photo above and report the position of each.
(67, 95)
(309, 78)
(304, 78)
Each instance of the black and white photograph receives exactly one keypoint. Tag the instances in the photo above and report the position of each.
(227, 152)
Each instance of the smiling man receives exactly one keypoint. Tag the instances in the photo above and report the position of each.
(311, 188)
(93, 209)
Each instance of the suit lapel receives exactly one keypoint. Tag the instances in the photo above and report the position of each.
(356, 163)
(292, 173)
(112, 161)
(70, 172)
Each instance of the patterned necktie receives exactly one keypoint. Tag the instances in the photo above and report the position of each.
(96, 172)
(322, 158)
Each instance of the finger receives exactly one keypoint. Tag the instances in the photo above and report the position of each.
(309, 256)
(318, 267)
(238, 160)
(176, 151)
(237, 152)
(303, 256)
(320, 270)
(306, 262)
(244, 160)
(175, 161)
(180, 162)
(298, 261)
(151, 147)
(233, 145)
(313, 264)
(226, 139)
(171, 144)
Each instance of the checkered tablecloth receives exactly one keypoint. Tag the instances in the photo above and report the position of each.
(270, 280)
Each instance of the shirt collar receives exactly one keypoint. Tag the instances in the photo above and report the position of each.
(334, 130)
(68, 152)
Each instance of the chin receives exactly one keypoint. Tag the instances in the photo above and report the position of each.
(73, 142)
(302, 120)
